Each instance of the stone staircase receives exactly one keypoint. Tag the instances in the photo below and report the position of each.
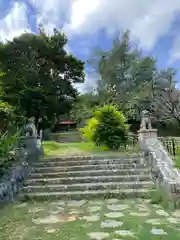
(86, 177)
(66, 137)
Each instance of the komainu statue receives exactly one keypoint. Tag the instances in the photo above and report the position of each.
(30, 128)
(145, 120)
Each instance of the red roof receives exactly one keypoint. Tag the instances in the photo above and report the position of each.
(67, 122)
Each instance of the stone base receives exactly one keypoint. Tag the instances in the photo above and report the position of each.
(143, 135)
(147, 133)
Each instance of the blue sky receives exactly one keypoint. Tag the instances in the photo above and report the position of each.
(154, 24)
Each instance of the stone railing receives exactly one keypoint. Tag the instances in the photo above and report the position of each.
(165, 175)
(30, 150)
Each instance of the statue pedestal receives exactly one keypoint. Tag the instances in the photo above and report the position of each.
(145, 134)
(34, 147)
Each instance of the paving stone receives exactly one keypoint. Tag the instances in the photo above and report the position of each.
(154, 221)
(157, 206)
(55, 212)
(143, 208)
(111, 224)
(176, 214)
(35, 210)
(58, 203)
(116, 239)
(117, 207)
(75, 211)
(75, 203)
(96, 202)
(114, 214)
(156, 231)
(60, 208)
(52, 219)
(48, 220)
(147, 200)
(162, 213)
(125, 233)
(113, 200)
(93, 218)
(139, 214)
(98, 235)
(173, 220)
(94, 208)
(50, 230)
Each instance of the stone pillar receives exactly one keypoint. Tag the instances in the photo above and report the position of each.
(146, 132)
(144, 135)
(33, 147)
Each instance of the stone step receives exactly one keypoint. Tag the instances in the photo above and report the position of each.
(104, 166)
(87, 186)
(68, 140)
(95, 157)
(100, 172)
(68, 136)
(116, 178)
(69, 162)
(77, 195)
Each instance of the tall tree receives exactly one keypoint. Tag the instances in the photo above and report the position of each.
(39, 74)
(128, 78)
(83, 108)
(167, 101)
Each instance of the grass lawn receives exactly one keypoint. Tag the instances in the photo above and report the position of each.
(177, 161)
(176, 158)
(53, 148)
(84, 220)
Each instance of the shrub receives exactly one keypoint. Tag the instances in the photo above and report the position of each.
(7, 143)
(108, 127)
(89, 130)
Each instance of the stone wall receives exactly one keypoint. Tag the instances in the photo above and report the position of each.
(12, 181)
(163, 170)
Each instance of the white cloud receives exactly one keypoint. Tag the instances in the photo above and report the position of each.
(15, 22)
(89, 84)
(175, 51)
(147, 20)
(52, 13)
(81, 10)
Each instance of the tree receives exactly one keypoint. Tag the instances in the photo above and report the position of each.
(108, 127)
(6, 115)
(83, 107)
(39, 74)
(129, 79)
(168, 104)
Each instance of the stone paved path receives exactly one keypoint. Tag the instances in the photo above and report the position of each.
(110, 219)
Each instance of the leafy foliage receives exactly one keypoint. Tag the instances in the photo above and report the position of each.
(7, 144)
(131, 80)
(6, 110)
(89, 130)
(39, 74)
(108, 127)
(83, 108)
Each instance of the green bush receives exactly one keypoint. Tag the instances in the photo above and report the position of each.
(108, 127)
(7, 143)
(89, 130)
